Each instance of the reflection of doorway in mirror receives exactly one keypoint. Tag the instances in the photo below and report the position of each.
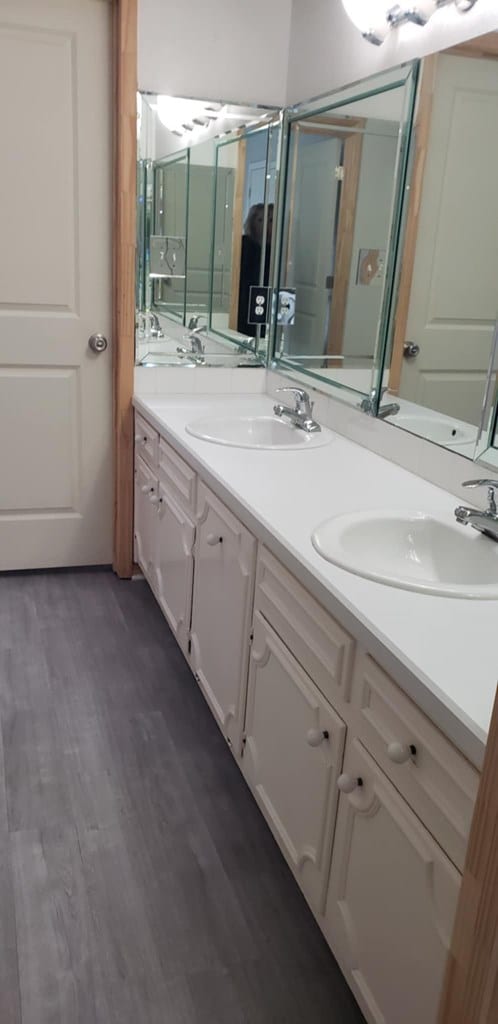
(448, 306)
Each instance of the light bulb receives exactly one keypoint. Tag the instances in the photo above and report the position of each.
(426, 8)
(370, 16)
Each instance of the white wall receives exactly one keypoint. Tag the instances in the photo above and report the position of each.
(215, 49)
(327, 51)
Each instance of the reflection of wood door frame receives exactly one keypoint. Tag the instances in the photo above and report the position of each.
(421, 134)
(482, 47)
(237, 232)
(353, 145)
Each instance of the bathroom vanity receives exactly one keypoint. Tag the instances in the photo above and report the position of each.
(348, 705)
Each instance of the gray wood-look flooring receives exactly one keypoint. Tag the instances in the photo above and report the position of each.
(139, 883)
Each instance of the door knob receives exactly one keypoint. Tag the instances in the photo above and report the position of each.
(316, 736)
(411, 350)
(97, 343)
(348, 783)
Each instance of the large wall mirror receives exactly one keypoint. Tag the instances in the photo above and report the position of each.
(441, 367)
(205, 171)
(345, 159)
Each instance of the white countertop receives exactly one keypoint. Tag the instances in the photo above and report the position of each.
(442, 651)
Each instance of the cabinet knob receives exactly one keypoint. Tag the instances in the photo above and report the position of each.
(348, 783)
(140, 439)
(316, 736)
(400, 753)
(146, 489)
(213, 539)
(155, 499)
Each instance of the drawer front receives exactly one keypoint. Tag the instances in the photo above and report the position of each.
(317, 641)
(434, 778)
(178, 477)
(146, 441)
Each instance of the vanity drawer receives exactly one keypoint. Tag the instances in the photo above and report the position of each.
(437, 781)
(178, 477)
(319, 644)
(146, 441)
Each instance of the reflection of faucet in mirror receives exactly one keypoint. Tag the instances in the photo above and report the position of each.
(302, 413)
(368, 405)
(250, 261)
(486, 522)
(155, 325)
(197, 348)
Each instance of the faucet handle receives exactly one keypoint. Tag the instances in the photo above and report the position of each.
(302, 397)
(492, 486)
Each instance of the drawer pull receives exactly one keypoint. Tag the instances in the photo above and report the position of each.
(140, 439)
(400, 753)
(146, 489)
(348, 783)
(155, 499)
(213, 539)
(316, 736)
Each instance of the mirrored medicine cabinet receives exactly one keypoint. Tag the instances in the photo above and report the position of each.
(367, 220)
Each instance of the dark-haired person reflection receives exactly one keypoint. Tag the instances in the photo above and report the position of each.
(250, 261)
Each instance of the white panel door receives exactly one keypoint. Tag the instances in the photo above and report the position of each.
(55, 283)
(225, 555)
(454, 295)
(391, 901)
(174, 565)
(293, 749)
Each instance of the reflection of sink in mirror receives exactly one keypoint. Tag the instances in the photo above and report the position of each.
(440, 429)
(413, 551)
(256, 432)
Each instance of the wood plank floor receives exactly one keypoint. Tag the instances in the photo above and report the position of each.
(138, 881)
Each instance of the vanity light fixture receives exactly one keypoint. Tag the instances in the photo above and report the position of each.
(375, 18)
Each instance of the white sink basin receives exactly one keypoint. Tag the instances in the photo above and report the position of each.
(255, 432)
(437, 429)
(412, 550)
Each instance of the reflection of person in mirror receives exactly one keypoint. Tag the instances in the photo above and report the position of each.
(250, 261)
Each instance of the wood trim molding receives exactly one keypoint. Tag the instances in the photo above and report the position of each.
(422, 132)
(483, 46)
(124, 242)
(470, 992)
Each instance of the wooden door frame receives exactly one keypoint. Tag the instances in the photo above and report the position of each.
(237, 232)
(125, 52)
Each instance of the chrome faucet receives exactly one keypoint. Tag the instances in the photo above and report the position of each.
(155, 325)
(301, 415)
(368, 405)
(486, 522)
(197, 348)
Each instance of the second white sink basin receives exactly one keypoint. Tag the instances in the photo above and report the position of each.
(441, 430)
(412, 550)
(255, 432)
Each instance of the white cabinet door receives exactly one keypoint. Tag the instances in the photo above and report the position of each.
(174, 565)
(146, 488)
(221, 612)
(391, 901)
(293, 752)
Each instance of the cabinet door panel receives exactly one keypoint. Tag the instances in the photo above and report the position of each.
(221, 612)
(391, 902)
(145, 519)
(293, 752)
(174, 565)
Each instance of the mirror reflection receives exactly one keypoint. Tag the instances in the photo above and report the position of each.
(447, 300)
(246, 181)
(189, 203)
(344, 164)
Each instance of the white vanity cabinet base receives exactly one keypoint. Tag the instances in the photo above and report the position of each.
(225, 555)
(391, 901)
(293, 750)
(146, 487)
(174, 565)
